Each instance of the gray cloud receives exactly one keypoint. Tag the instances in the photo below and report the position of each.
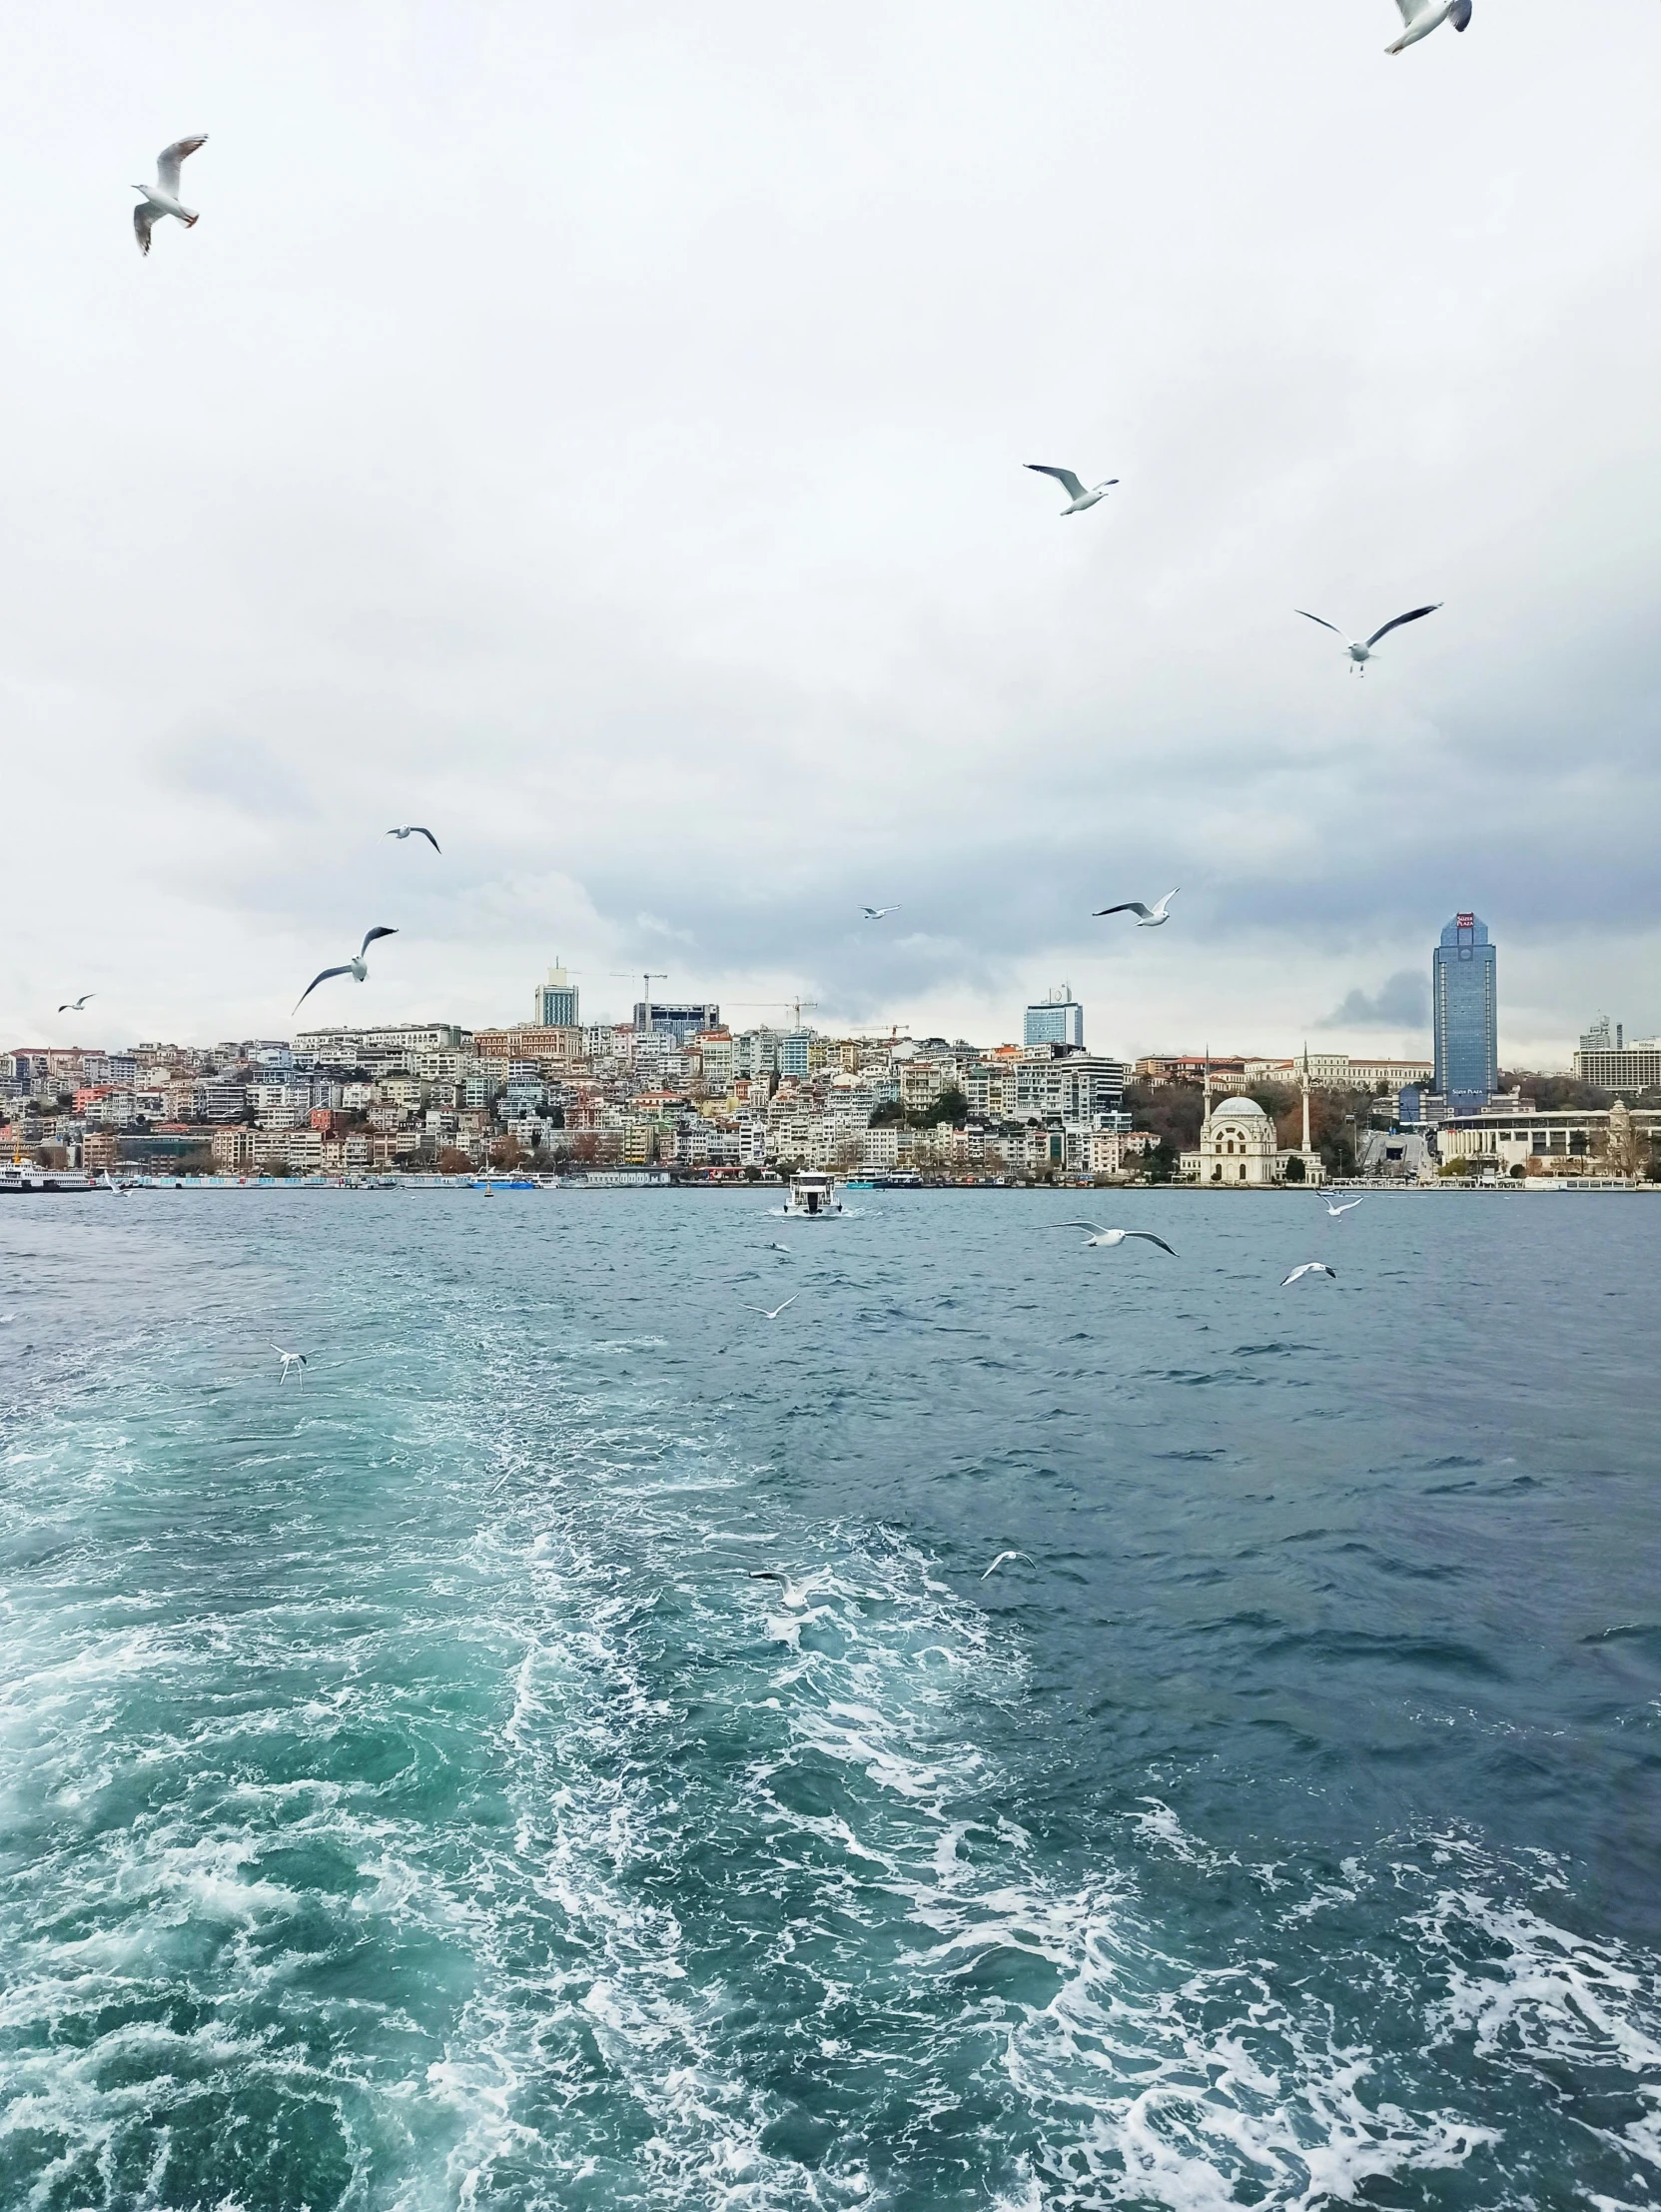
(1401, 1002)
(649, 516)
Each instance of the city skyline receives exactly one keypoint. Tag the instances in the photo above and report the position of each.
(1057, 1016)
(700, 731)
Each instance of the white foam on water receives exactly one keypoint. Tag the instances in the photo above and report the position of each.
(711, 1898)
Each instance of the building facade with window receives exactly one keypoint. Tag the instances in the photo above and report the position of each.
(1465, 1013)
(1055, 1020)
(557, 1001)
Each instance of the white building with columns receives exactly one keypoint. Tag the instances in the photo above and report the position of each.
(1239, 1146)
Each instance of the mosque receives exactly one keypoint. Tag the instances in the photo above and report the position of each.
(1238, 1145)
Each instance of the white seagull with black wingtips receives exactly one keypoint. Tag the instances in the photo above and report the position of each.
(1112, 1237)
(162, 197)
(1151, 917)
(1361, 649)
(354, 967)
(1421, 17)
(1080, 496)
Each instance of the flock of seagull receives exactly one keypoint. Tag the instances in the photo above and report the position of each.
(1418, 19)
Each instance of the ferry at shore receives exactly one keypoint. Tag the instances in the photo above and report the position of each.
(19, 1176)
(812, 1197)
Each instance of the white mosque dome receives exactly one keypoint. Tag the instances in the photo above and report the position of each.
(1238, 1107)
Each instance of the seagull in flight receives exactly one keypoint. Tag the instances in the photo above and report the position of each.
(1349, 1207)
(296, 1360)
(162, 197)
(1002, 1556)
(1360, 652)
(1075, 490)
(1312, 1267)
(1151, 916)
(74, 1005)
(876, 913)
(414, 830)
(772, 1313)
(353, 966)
(1421, 17)
(1112, 1237)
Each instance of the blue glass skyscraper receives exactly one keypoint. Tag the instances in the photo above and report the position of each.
(1464, 1009)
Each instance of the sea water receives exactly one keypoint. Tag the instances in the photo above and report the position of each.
(567, 1752)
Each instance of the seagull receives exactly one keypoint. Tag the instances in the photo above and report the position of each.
(1002, 1555)
(1152, 917)
(74, 1005)
(876, 913)
(353, 966)
(775, 1246)
(1312, 1267)
(414, 830)
(1421, 17)
(1075, 490)
(1360, 653)
(772, 1314)
(162, 197)
(1349, 1207)
(1111, 1237)
(296, 1360)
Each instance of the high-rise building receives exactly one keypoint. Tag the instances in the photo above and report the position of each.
(557, 1001)
(679, 1022)
(1055, 1020)
(1464, 1014)
(1596, 1038)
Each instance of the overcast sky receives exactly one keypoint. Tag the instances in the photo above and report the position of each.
(597, 433)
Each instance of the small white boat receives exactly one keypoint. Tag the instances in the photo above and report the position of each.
(812, 1196)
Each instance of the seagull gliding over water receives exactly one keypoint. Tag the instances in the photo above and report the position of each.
(162, 197)
(773, 1313)
(355, 966)
(296, 1360)
(1112, 1237)
(1421, 17)
(1002, 1555)
(1075, 490)
(1349, 1207)
(1312, 1267)
(1360, 651)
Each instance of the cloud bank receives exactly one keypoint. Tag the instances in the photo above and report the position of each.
(646, 509)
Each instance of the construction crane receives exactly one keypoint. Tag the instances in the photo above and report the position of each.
(648, 976)
(796, 1005)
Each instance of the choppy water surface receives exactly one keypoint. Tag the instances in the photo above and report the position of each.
(409, 1797)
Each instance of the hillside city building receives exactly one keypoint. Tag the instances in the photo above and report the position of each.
(674, 1088)
(557, 1001)
(1612, 1064)
(1055, 1020)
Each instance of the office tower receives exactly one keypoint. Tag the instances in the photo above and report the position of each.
(1464, 1012)
(557, 1001)
(1055, 1020)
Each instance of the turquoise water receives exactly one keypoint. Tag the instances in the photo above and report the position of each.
(408, 1798)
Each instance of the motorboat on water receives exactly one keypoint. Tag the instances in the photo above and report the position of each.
(813, 1196)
